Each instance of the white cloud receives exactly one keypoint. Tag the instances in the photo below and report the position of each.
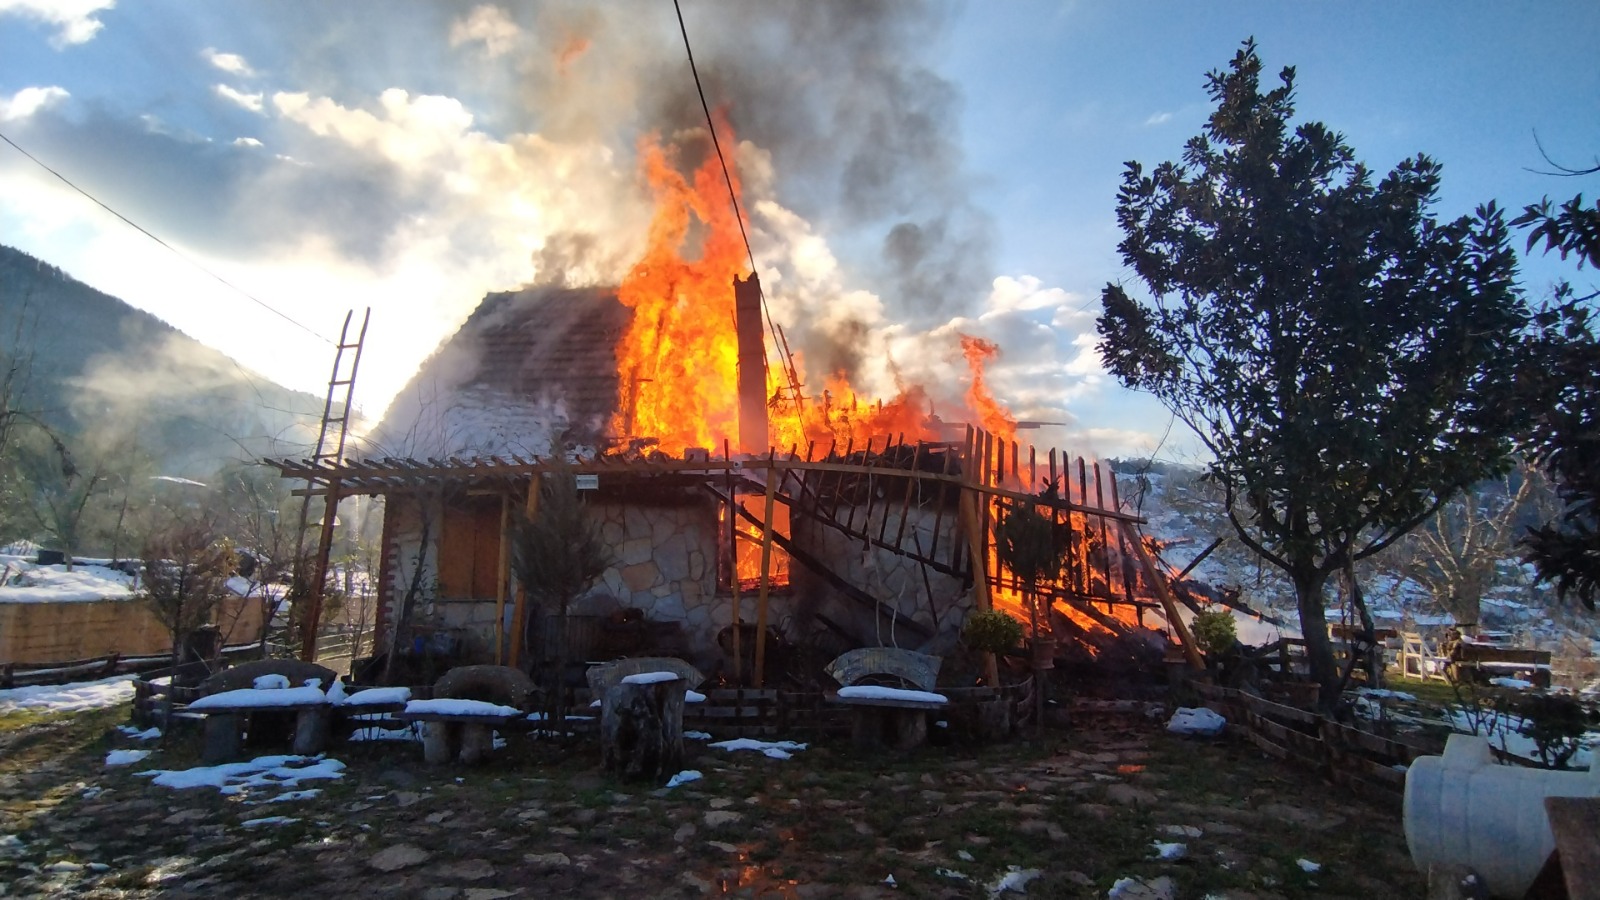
(30, 100)
(74, 19)
(232, 63)
(246, 142)
(1160, 118)
(252, 102)
(488, 24)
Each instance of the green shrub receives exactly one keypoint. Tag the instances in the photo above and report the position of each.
(1214, 633)
(992, 631)
(1556, 723)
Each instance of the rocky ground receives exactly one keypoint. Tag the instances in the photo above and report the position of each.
(1087, 807)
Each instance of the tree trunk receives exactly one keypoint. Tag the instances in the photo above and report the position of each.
(641, 729)
(1314, 628)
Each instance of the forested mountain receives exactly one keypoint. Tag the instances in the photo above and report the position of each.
(105, 374)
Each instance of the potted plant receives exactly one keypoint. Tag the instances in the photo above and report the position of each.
(992, 632)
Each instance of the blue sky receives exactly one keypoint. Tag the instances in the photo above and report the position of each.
(911, 171)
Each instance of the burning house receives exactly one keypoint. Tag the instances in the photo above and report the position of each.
(737, 502)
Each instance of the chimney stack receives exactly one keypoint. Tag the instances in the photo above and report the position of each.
(753, 436)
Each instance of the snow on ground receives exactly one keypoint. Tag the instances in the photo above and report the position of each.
(684, 777)
(771, 749)
(74, 697)
(149, 734)
(263, 772)
(268, 820)
(125, 757)
(1169, 850)
(24, 581)
(371, 733)
(1502, 730)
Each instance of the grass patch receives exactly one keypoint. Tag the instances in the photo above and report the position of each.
(1440, 693)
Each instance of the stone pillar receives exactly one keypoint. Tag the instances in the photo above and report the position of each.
(437, 749)
(311, 731)
(223, 742)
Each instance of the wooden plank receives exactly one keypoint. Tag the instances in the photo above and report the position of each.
(1164, 594)
(766, 580)
(1575, 822)
(911, 487)
(503, 585)
(519, 607)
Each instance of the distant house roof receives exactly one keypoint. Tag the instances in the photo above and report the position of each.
(526, 366)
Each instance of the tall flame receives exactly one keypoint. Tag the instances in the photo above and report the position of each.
(992, 415)
(677, 362)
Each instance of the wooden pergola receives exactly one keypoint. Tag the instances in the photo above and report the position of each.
(841, 489)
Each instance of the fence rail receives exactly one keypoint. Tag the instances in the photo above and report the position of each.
(1365, 762)
(14, 675)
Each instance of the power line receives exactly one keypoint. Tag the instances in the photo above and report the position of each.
(142, 230)
(733, 198)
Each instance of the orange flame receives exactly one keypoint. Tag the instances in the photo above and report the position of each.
(677, 362)
(574, 47)
(992, 415)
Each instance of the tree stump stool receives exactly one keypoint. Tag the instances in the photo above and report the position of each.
(641, 726)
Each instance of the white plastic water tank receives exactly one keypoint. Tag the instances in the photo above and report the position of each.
(1463, 809)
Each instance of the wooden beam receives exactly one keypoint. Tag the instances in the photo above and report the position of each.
(1168, 604)
(313, 619)
(766, 582)
(519, 607)
(502, 583)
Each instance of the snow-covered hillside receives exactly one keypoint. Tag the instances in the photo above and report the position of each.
(1186, 514)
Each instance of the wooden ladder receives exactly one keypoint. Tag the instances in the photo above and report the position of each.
(337, 428)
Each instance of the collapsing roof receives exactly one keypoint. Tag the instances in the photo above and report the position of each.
(526, 367)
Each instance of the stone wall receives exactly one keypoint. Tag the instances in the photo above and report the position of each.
(895, 581)
(664, 566)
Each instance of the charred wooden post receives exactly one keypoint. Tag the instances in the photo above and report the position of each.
(766, 574)
(752, 364)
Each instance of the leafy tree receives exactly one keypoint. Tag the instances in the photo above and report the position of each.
(1346, 357)
(1566, 550)
(556, 554)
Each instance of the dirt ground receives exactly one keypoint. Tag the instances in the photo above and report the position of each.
(1084, 806)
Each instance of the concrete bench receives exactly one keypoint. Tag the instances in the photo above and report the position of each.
(231, 705)
(469, 703)
(885, 715)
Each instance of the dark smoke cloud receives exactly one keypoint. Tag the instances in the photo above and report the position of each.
(862, 133)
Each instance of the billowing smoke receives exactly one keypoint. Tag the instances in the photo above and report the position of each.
(842, 125)
(451, 150)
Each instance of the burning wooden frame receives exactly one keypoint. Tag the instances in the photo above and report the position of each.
(934, 505)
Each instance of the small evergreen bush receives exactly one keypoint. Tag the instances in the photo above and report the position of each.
(992, 631)
(1214, 632)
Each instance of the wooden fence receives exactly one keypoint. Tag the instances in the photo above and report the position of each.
(30, 674)
(1370, 764)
